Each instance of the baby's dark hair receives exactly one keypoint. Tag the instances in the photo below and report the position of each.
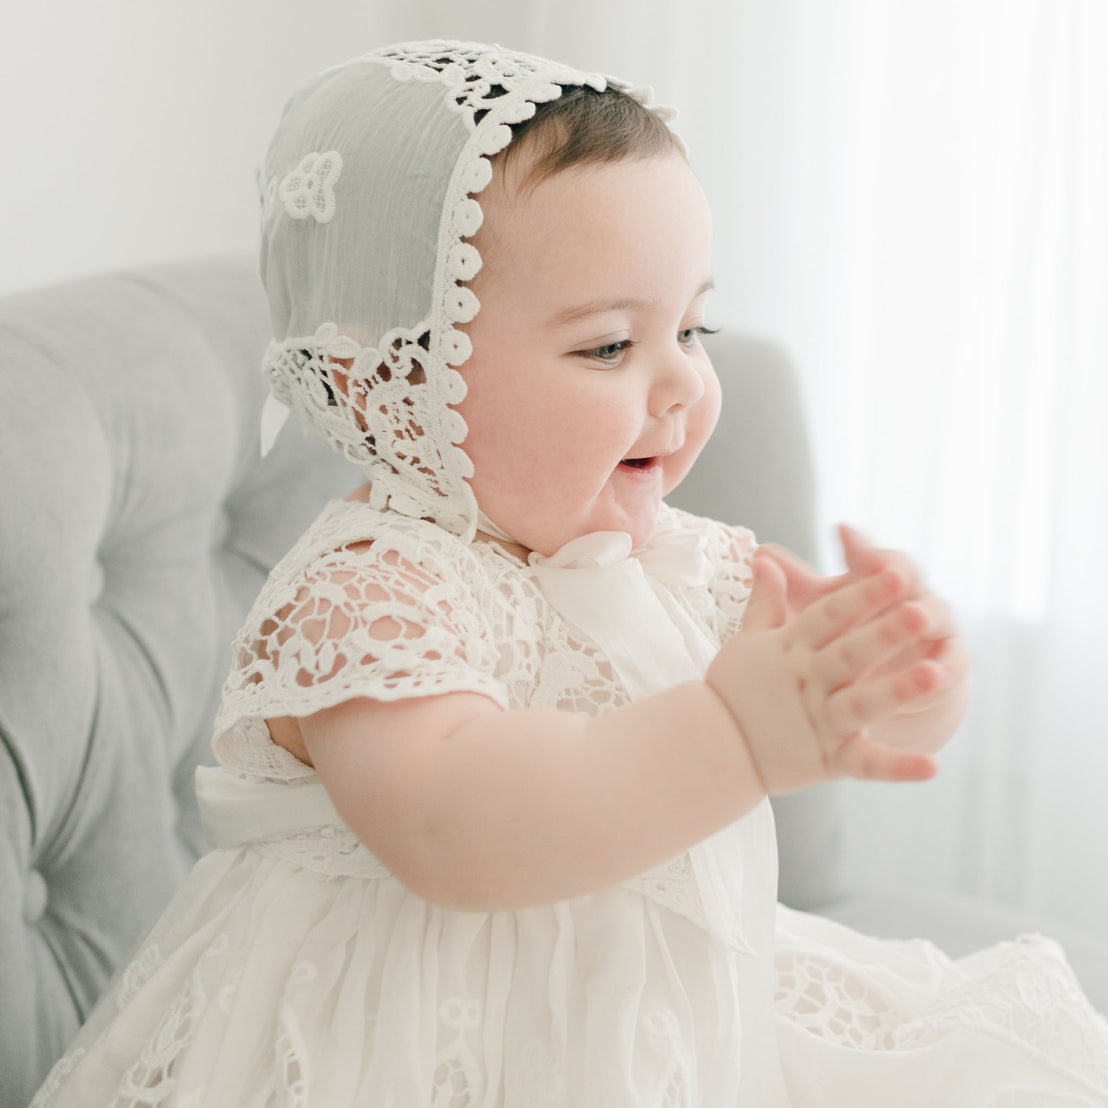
(585, 127)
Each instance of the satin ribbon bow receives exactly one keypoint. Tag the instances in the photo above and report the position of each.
(621, 600)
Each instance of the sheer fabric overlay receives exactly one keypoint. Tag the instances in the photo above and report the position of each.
(294, 969)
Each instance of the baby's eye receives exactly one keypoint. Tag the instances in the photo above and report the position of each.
(689, 335)
(611, 352)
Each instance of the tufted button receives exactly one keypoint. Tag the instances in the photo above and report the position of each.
(34, 897)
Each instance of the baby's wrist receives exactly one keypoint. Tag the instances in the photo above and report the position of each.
(733, 733)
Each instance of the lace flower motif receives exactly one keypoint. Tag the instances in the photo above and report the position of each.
(309, 189)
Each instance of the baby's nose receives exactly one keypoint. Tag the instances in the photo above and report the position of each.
(679, 384)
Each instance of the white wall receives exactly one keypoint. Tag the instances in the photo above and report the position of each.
(131, 128)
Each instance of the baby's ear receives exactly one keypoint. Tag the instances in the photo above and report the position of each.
(767, 607)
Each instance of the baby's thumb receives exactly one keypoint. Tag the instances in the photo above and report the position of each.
(766, 608)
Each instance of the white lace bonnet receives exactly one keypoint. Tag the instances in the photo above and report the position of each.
(367, 198)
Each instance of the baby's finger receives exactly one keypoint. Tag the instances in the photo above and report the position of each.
(848, 606)
(856, 547)
(939, 616)
(868, 761)
(951, 654)
(804, 582)
(861, 704)
(941, 642)
(862, 556)
(767, 607)
(879, 640)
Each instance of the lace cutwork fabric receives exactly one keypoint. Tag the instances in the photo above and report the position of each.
(835, 1002)
(353, 610)
(1020, 992)
(369, 604)
(1016, 1004)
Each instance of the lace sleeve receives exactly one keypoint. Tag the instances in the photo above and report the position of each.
(731, 585)
(730, 552)
(386, 619)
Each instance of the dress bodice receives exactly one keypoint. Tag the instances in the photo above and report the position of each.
(370, 603)
(475, 619)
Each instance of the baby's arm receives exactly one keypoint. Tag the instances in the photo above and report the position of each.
(477, 808)
(481, 809)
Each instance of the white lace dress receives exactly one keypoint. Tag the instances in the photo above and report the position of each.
(293, 969)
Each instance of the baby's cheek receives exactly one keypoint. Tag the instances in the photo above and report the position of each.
(705, 414)
(700, 424)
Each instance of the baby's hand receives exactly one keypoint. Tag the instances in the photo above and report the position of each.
(806, 686)
(925, 723)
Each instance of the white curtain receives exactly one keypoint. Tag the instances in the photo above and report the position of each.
(912, 196)
(923, 221)
(940, 267)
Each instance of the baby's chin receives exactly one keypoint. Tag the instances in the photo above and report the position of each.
(637, 518)
(639, 529)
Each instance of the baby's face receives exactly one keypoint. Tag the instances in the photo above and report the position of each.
(589, 394)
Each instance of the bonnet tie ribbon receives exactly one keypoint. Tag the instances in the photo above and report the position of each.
(273, 418)
(621, 600)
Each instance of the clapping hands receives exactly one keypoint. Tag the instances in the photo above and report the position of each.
(860, 675)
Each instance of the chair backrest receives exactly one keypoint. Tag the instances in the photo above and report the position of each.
(137, 523)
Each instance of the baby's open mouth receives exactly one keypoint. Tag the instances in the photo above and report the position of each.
(637, 463)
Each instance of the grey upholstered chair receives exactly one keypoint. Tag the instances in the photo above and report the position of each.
(136, 525)
(137, 522)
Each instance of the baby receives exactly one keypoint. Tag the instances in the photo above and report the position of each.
(491, 821)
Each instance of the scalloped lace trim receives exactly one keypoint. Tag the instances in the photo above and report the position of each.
(1021, 994)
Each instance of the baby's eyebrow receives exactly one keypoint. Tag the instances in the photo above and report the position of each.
(601, 304)
(598, 307)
